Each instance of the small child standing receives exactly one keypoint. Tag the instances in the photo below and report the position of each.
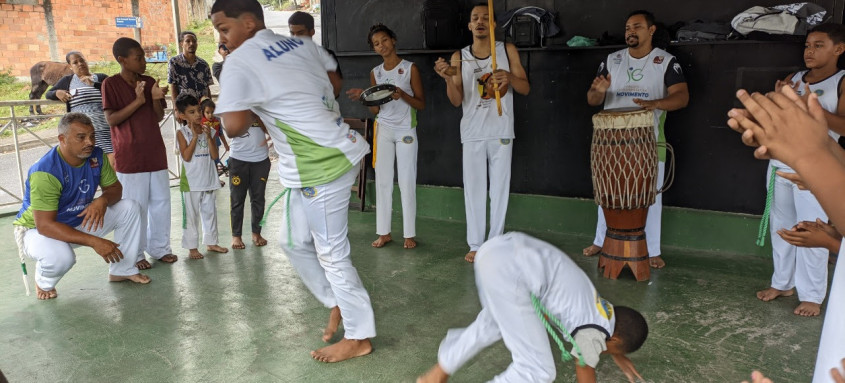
(208, 120)
(199, 179)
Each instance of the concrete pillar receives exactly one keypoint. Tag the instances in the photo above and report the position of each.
(136, 12)
(177, 27)
(52, 40)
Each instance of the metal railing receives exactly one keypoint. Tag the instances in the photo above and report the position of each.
(17, 124)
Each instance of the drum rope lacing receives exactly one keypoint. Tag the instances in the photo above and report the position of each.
(617, 190)
(767, 210)
(544, 315)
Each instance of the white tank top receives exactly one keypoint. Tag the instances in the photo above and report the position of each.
(828, 92)
(481, 120)
(200, 173)
(250, 146)
(396, 114)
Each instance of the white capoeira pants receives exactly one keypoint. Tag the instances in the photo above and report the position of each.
(831, 351)
(55, 258)
(402, 145)
(652, 223)
(151, 191)
(318, 223)
(481, 158)
(803, 268)
(199, 208)
(507, 314)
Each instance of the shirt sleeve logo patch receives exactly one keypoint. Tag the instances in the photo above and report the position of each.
(658, 59)
(351, 136)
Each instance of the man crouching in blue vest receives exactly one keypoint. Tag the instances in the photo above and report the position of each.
(60, 212)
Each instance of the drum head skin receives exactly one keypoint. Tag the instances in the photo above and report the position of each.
(378, 95)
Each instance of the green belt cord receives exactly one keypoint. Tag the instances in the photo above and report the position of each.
(543, 313)
(184, 212)
(287, 213)
(764, 221)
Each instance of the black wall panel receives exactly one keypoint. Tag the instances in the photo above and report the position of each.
(714, 170)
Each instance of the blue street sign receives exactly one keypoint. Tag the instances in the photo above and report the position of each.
(127, 22)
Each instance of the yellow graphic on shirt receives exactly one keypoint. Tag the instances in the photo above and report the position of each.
(604, 307)
(485, 86)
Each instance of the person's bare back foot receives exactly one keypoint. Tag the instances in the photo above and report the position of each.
(591, 250)
(656, 262)
(331, 327)
(258, 240)
(808, 309)
(343, 350)
(195, 254)
(772, 293)
(143, 265)
(137, 278)
(410, 243)
(217, 249)
(238, 243)
(470, 257)
(434, 375)
(169, 258)
(382, 240)
(44, 295)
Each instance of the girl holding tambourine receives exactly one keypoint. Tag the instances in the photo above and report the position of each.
(396, 135)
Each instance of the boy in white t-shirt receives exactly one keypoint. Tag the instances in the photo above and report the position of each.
(199, 177)
(284, 82)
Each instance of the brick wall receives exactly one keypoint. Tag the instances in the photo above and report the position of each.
(87, 26)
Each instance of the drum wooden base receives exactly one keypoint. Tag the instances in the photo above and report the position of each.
(624, 244)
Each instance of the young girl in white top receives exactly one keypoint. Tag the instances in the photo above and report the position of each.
(199, 177)
(396, 135)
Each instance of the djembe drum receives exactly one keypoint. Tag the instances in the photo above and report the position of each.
(623, 159)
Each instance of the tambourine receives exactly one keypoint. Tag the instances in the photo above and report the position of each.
(378, 95)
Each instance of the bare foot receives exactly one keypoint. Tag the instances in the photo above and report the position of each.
(772, 293)
(143, 265)
(808, 309)
(382, 240)
(137, 278)
(331, 327)
(434, 375)
(258, 240)
(195, 254)
(237, 243)
(410, 243)
(470, 257)
(169, 258)
(656, 262)
(343, 350)
(592, 250)
(217, 249)
(44, 295)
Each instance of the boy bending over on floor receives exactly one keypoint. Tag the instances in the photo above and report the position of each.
(526, 286)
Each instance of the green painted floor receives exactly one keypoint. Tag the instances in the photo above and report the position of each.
(246, 317)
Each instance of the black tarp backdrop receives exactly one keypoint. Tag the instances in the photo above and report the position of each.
(553, 123)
